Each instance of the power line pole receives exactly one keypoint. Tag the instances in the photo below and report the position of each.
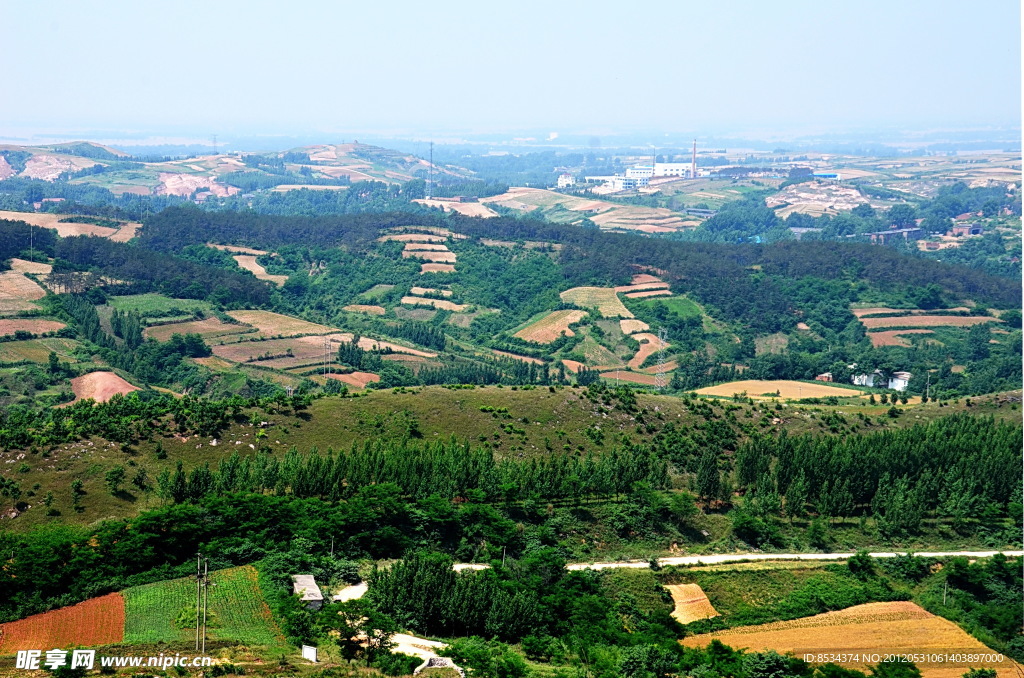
(206, 597)
(659, 380)
(215, 144)
(199, 593)
(430, 172)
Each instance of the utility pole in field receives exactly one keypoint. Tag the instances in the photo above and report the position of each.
(199, 592)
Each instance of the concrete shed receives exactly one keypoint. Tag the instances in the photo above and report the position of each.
(304, 586)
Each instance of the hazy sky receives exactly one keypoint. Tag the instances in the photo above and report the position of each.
(296, 66)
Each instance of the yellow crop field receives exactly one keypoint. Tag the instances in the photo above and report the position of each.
(692, 603)
(604, 298)
(757, 388)
(926, 321)
(864, 629)
(274, 324)
(248, 262)
(436, 303)
(365, 308)
(18, 292)
(445, 257)
(630, 326)
(436, 268)
(551, 326)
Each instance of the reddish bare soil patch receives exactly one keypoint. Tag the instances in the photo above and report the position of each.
(516, 356)
(641, 287)
(172, 183)
(437, 268)
(100, 386)
(649, 293)
(365, 308)
(926, 321)
(551, 326)
(642, 278)
(274, 324)
(892, 337)
(356, 379)
(95, 622)
(649, 344)
(654, 369)
(425, 247)
(633, 377)
(29, 325)
(573, 366)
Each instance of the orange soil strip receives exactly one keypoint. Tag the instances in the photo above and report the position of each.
(892, 337)
(803, 326)
(126, 232)
(631, 325)
(29, 325)
(692, 603)
(100, 386)
(237, 249)
(622, 375)
(516, 356)
(413, 237)
(551, 326)
(436, 257)
(650, 293)
(642, 286)
(874, 627)
(654, 369)
(365, 308)
(274, 324)
(436, 303)
(436, 268)
(789, 389)
(649, 344)
(861, 312)
(643, 278)
(248, 262)
(420, 291)
(95, 622)
(425, 247)
(356, 379)
(573, 366)
(927, 321)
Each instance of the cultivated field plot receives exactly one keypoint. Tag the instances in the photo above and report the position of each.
(649, 293)
(236, 607)
(551, 326)
(425, 247)
(237, 249)
(365, 308)
(22, 266)
(632, 377)
(883, 310)
(470, 209)
(607, 215)
(792, 390)
(436, 303)
(632, 325)
(100, 386)
(641, 287)
(649, 345)
(691, 602)
(926, 321)
(53, 221)
(249, 263)
(275, 324)
(436, 257)
(893, 337)
(95, 622)
(18, 292)
(420, 291)
(436, 268)
(356, 379)
(153, 306)
(516, 356)
(413, 237)
(874, 627)
(38, 350)
(209, 328)
(377, 291)
(29, 325)
(604, 298)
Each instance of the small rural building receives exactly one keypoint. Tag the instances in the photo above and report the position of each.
(899, 381)
(824, 376)
(973, 228)
(304, 586)
(869, 380)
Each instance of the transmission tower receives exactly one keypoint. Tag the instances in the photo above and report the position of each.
(430, 172)
(327, 354)
(215, 144)
(660, 379)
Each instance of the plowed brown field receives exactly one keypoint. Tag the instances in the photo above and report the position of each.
(926, 321)
(100, 386)
(356, 379)
(551, 326)
(436, 268)
(892, 337)
(98, 621)
(604, 298)
(29, 325)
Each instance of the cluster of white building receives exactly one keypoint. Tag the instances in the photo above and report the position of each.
(639, 176)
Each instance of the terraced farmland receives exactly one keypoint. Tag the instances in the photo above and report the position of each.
(551, 326)
(603, 298)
